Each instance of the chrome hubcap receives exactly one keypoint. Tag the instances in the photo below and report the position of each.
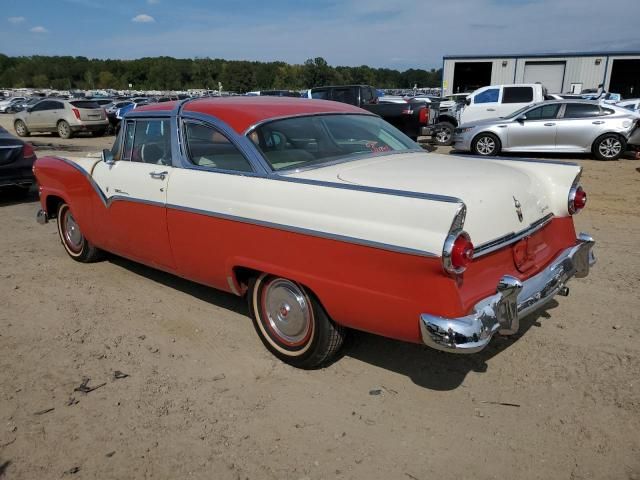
(610, 147)
(62, 129)
(72, 233)
(486, 146)
(287, 311)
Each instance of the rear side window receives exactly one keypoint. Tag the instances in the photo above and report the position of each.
(488, 96)
(85, 104)
(517, 95)
(207, 147)
(344, 95)
(581, 110)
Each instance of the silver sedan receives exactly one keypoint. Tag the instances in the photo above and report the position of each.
(571, 126)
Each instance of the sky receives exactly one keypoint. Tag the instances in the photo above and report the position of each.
(397, 34)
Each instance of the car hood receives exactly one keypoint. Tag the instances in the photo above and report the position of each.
(485, 122)
(494, 191)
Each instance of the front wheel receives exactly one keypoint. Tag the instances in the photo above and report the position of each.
(21, 128)
(444, 133)
(64, 130)
(78, 247)
(486, 144)
(609, 147)
(291, 322)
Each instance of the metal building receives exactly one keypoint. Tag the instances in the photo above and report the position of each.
(619, 72)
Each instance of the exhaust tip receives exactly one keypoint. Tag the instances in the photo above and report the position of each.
(564, 291)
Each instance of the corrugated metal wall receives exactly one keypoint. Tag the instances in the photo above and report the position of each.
(590, 70)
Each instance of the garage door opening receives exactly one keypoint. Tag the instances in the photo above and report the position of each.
(549, 74)
(625, 78)
(469, 76)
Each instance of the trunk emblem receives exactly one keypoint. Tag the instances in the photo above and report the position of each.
(518, 209)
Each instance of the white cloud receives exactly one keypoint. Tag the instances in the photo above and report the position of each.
(38, 29)
(143, 18)
(16, 20)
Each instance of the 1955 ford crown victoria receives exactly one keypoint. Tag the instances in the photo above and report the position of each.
(327, 218)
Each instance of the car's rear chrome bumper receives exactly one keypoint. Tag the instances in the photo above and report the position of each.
(513, 300)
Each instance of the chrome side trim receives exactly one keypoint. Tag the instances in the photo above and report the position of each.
(498, 243)
(305, 231)
(517, 159)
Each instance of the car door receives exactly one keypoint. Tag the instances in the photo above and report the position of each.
(514, 98)
(53, 112)
(35, 118)
(483, 104)
(534, 130)
(578, 126)
(135, 192)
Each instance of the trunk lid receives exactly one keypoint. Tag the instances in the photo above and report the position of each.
(10, 150)
(500, 198)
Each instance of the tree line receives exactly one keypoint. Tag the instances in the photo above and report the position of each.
(167, 73)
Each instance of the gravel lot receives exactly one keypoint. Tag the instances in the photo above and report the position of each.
(204, 399)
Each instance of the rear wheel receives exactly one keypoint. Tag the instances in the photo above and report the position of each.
(64, 130)
(291, 322)
(74, 242)
(609, 147)
(444, 133)
(486, 144)
(21, 128)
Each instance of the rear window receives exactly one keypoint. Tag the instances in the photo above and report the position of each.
(517, 95)
(85, 104)
(319, 94)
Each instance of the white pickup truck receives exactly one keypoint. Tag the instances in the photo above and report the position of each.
(500, 100)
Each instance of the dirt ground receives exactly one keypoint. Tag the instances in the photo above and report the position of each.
(203, 399)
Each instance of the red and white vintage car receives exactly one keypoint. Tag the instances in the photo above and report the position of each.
(327, 218)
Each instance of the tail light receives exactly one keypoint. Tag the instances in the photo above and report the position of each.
(458, 252)
(104, 113)
(577, 199)
(424, 115)
(28, 151)
(76, 112)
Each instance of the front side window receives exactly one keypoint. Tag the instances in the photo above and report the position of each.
(301, 142)
(581, 110)
(488, 96)
(207, 147)
(147, 141)
(517, 95)
(546, 112)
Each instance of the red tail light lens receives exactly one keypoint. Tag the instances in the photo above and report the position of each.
(577, 199)
(424, 115)
(457, 253)
(76, 112)
(28, 151)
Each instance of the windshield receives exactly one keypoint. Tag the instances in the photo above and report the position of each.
(518, 112)
(315, 140)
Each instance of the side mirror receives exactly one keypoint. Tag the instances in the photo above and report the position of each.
(107, 157)
(30, 109)
(522, 118)
(467, 101)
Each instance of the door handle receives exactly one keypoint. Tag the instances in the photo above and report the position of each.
(491, 109)
(158, 175)
(598, 122)
(117, 190)
(549, 124)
